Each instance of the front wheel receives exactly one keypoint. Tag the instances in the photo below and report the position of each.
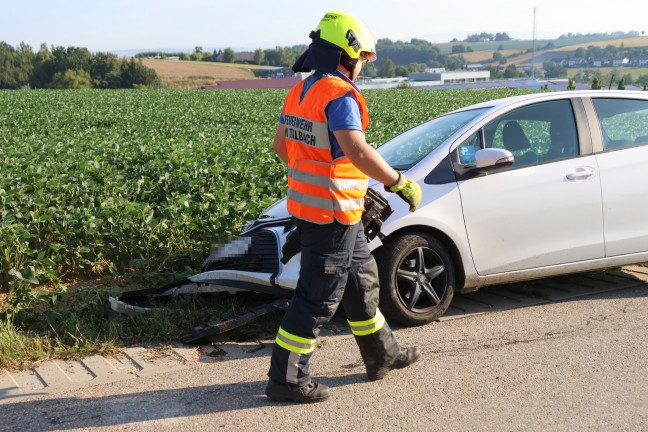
(417, 278)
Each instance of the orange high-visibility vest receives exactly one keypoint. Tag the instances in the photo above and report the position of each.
(321, 189)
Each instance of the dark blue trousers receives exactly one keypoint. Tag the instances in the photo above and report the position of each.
(336, 266)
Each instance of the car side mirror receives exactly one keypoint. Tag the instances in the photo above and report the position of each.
(493, 157)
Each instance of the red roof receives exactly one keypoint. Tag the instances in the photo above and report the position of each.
(255, 84)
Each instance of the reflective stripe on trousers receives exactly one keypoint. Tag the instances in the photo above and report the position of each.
(334, 256)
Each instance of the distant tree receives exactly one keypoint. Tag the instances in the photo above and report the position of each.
(386, 68)
(596, 83)
(455, 62)
(457, 49)
(622, 84)
(40, 76)
(198, 50)
(184, 56)
(287, 56)
(211, 57)
(417, 67)
(369, 70)
(571, 85)
(502, 37)
(71, 79)
(104, 70)
(512, 71)
(229, 55)
(135, 75)
(401, 71)
(258, 56)
(15, 65)
(554, 70)
(58, 60)
(75, 58)
(497, 56)
(481, 37)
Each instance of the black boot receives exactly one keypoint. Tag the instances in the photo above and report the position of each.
(312, 392)
(406, 357)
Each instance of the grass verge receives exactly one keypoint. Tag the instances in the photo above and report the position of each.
(70, 323)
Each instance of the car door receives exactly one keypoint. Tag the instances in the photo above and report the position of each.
(623, 168)
(543, 210)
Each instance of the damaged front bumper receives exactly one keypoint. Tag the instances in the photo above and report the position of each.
(249, 263)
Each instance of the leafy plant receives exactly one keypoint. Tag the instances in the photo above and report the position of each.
(93, 181)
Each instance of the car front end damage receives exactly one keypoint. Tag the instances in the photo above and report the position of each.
(264, 258)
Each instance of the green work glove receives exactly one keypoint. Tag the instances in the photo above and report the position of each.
(408, 190)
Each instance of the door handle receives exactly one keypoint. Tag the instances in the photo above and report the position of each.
(581, 173)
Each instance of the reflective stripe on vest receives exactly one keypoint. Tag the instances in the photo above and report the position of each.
(321, 189)
(294, 343)
(364, 328)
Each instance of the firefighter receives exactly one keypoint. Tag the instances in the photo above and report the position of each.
(320, 137)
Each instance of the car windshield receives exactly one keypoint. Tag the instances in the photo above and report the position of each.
(406, 149)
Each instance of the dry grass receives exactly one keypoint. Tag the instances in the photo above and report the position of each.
(193, 75)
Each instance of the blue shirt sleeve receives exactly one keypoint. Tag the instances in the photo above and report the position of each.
(343, 114)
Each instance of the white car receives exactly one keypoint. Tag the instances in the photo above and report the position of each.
(513, 189)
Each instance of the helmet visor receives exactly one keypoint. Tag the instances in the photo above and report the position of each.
(368, 57)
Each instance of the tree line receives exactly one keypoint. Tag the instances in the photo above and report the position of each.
(395, 58)
(71, 67)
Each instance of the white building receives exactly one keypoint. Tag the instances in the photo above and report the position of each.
(450, 77)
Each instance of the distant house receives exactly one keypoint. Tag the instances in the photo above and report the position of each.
(575, 62)
(620, 62)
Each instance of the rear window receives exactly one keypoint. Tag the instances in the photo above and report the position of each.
(624, 122)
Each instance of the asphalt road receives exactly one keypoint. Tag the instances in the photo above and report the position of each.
(574, 363)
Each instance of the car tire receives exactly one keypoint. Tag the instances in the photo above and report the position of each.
(417, 278)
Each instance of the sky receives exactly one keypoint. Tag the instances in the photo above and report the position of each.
(114, 25)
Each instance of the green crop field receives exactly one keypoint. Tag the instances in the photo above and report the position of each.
(106, 182)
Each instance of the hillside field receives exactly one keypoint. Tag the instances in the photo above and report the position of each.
(179, 74)
(518, 56)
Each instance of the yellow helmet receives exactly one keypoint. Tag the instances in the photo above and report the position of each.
(348, 33)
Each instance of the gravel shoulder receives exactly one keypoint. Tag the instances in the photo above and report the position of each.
(579, 364)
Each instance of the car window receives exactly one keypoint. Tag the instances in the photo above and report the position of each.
(624, 122)
(539, 133)
(405, 150)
